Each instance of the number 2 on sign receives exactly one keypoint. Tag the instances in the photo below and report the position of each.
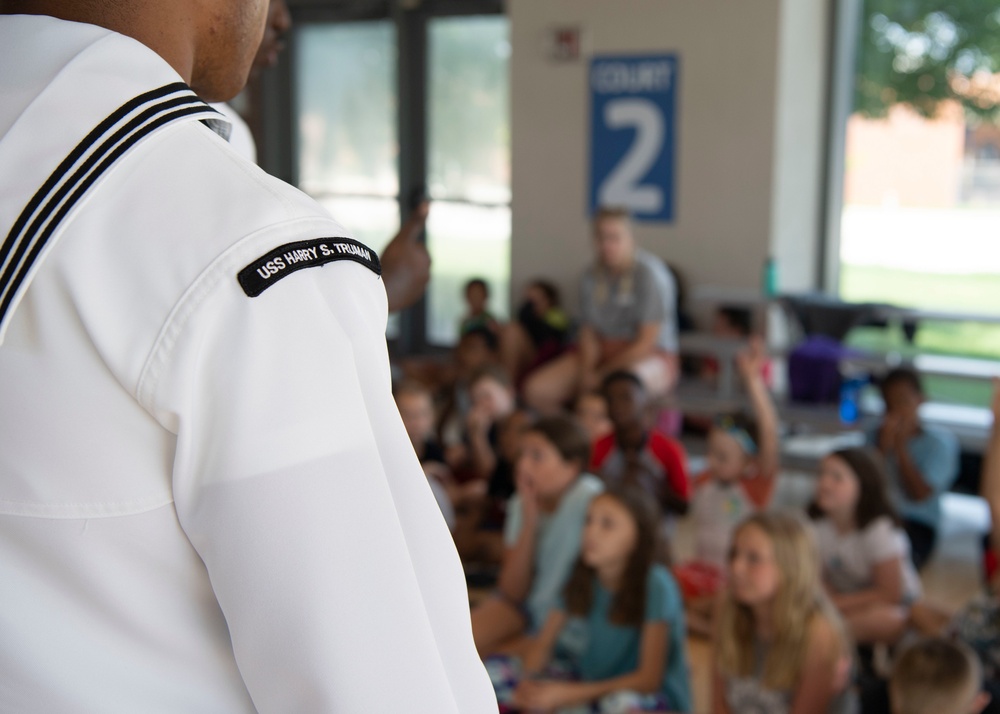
(623, 186)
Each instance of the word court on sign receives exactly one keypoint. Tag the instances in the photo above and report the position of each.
(632, 152)
(619, 77)
(287, 259)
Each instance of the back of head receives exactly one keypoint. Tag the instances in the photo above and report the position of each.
(936, 676)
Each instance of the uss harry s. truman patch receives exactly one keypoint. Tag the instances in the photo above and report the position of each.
(291, 257)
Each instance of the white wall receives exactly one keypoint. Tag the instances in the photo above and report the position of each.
(749, 126)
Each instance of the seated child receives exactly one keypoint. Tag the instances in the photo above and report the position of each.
(937, 676)
(478, 533)
(635, 452)
(475, 350)
(478, 317)
(541, 534)
(922, 461)
(416, 408)
(743, 458)
(591, 411)
(539, 333)
(865, 554)
(779, 644)
(619, 629)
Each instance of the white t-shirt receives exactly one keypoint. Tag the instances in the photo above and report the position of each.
(208, 501)
(716, 510)
(849, 559)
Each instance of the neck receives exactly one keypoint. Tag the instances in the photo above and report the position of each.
(763, 620)
(610, 576)
(548, 504)
(631, 436)
(167, 28)
(842, 522)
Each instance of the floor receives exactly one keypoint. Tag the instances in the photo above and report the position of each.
(951, 577)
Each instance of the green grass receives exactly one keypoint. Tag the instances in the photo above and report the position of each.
(960, 293)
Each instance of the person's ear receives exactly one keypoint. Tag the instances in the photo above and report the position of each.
(979, 702)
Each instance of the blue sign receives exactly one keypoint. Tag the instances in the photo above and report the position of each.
(633, 133)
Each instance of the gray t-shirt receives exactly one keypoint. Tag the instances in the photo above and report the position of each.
(616, 306)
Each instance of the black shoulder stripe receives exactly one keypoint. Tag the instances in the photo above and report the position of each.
(291, 257)
(78, 172)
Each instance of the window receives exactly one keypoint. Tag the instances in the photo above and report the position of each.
(469, 166)
(361, 149)
(920, 220)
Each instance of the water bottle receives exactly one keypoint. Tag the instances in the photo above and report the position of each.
(850, 398)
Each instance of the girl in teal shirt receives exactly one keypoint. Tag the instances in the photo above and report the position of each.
(621, 625)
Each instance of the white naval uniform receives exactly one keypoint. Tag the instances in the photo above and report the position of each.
(208, 502)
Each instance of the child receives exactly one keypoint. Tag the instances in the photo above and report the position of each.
(922, 461)
(591, 410)
(937, 676)
(623, 611)
(477, 297)
(742, 468)
(416, 408)
(539, 333)
(541, 533)
(865, 555)
(634, 452)
(475, 350)
(780, 647)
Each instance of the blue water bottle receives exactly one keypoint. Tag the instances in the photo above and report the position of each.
(850, 398)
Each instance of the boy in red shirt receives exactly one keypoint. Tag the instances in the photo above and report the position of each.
(636, 452)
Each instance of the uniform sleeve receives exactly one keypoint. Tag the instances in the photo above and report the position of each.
(881, 542)
(295, 482)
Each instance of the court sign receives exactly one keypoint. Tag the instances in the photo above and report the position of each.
(633, 134)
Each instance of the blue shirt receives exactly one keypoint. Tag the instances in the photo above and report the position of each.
(609, 650)
(557, 544)
(935, 453)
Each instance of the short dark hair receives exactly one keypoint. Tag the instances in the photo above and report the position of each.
(488, 336)
(902, 375)
(550, 290)
(480, 282)
(621, 375)
(567, 435)
(740, 318)
(618, 213)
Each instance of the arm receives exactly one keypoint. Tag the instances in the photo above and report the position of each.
(590, 354)
(300, 492)
(990, 482)
(749, 364)
(816, 687)
(719, 704)
(645, 680)
(540, 650)
(484, 461)
(640, 348)
(887, 588)
(519, 560)
(406, 264)
(913, 480)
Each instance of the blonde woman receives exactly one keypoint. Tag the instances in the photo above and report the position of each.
(780, 645)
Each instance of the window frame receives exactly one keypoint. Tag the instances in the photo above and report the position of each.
(273, 103)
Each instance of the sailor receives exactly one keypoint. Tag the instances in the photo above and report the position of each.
(208, 502)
